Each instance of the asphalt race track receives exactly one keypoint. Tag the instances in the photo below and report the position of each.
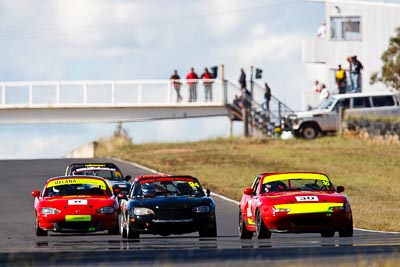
(19, 245)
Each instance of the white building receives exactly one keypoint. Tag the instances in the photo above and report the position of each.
(353, 27)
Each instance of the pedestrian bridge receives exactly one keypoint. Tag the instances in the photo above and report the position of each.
(128, 101)
(108, 101)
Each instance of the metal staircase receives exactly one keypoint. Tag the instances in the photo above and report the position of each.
(265, 122)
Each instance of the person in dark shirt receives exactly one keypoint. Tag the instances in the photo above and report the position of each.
(177, 85)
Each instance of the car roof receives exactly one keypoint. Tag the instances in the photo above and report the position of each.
(290, 173)
(350, 95)
(95, 169)
(74, 166)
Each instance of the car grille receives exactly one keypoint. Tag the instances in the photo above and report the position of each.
(168, 214)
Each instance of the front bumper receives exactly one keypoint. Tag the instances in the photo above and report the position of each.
(308, 223)
(151, 224)
(83, 223)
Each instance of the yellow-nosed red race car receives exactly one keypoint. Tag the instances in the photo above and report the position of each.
(294, 202)
(76, 203)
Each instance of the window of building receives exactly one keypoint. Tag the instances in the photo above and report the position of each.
(346, 28)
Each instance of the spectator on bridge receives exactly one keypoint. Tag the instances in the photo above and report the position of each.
(177, 85)
(267, 97)
(192, 82)
(206, 76)
(242, 79)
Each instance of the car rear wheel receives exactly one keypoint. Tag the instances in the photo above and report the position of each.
(39, 231)
(347, 231)
(261, 230)
(243, 232)
(130, 233)
(209, 232)
(329, 233)
(309, 131)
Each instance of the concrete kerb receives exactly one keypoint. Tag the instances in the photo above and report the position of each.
(229, 199)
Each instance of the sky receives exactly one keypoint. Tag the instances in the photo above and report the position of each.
(148, 39)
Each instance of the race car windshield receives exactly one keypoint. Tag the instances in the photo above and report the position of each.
(77, 189)
(169, 188)
(297, 184)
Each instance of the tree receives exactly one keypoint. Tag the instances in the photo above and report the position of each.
(390, 72)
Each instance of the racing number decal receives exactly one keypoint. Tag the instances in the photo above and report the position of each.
(307, 198)
(194, 184)
(249, 208)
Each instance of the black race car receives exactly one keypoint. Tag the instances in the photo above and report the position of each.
(108, 170)
(165, 205)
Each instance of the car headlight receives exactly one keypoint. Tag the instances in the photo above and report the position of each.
(201, 209)
(106, 210)
(337, 208)
(142, 211)
(50, 211)
(281, 210)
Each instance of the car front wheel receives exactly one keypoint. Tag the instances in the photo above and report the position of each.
(261, 230)
(39, 231)
(243, 232)
(131, 234)
(309, 132)
(347, 231)
(209, 232)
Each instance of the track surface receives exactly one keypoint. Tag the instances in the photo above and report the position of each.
(19, 245)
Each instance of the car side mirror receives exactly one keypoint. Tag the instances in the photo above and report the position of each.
(208, 192)
(128, 177)
(36, 193)
(340, 189)
(248, 191)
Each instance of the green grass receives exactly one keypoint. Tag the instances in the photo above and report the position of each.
(370, 172)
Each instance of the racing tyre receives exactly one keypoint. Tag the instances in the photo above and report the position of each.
(261, 230)
(347, 231)
(309, 132)
(129, 231)
(209, 232)
(243, 232)
(39, 231)
(115, 230)
(329, 233)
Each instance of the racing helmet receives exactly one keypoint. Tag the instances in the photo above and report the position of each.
(148, 188)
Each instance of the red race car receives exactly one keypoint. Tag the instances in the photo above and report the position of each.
(294, 202)
(76, 204)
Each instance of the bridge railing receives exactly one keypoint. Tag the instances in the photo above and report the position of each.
(109, 93)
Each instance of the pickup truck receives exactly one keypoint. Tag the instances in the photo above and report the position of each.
(325, 119)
